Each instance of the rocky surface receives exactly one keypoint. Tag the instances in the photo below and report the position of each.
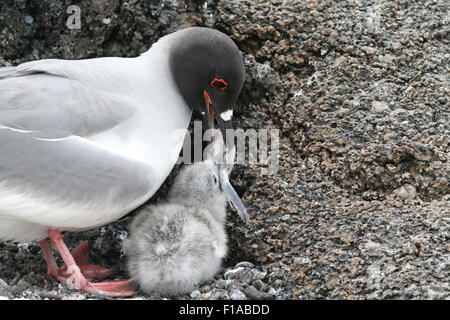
(359, 90)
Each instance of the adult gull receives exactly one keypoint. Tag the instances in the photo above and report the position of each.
(84, 142)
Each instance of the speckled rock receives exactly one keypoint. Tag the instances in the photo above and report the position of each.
(359, 208)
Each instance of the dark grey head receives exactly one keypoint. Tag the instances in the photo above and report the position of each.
(209, 72)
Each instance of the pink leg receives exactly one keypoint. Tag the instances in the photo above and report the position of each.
(90, 271)
(52, 268)
(72, 274)
(80, 255)
(77, 279)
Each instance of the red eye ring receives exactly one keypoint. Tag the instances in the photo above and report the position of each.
(215, 84)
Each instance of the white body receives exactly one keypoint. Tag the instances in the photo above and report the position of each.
(85, 142)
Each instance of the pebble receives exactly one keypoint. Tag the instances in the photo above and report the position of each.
(254, 294)
(237, 295)
(29, 19)
(379, 106)
(368, 50)
(195, 294)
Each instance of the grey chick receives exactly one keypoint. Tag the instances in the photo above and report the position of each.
(177, 245)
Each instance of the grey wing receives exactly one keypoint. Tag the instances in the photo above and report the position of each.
(59, 98)
(68, 183)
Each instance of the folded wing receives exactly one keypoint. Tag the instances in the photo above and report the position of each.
(59, 98)
(70, 183)
(51, 175)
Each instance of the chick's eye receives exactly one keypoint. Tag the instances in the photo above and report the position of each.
(219, 84)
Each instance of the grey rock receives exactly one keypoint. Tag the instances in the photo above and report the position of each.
(359, 206)
(195, 294)
(254, 294)
(237, 295)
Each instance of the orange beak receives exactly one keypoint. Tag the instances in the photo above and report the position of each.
(209, 108)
